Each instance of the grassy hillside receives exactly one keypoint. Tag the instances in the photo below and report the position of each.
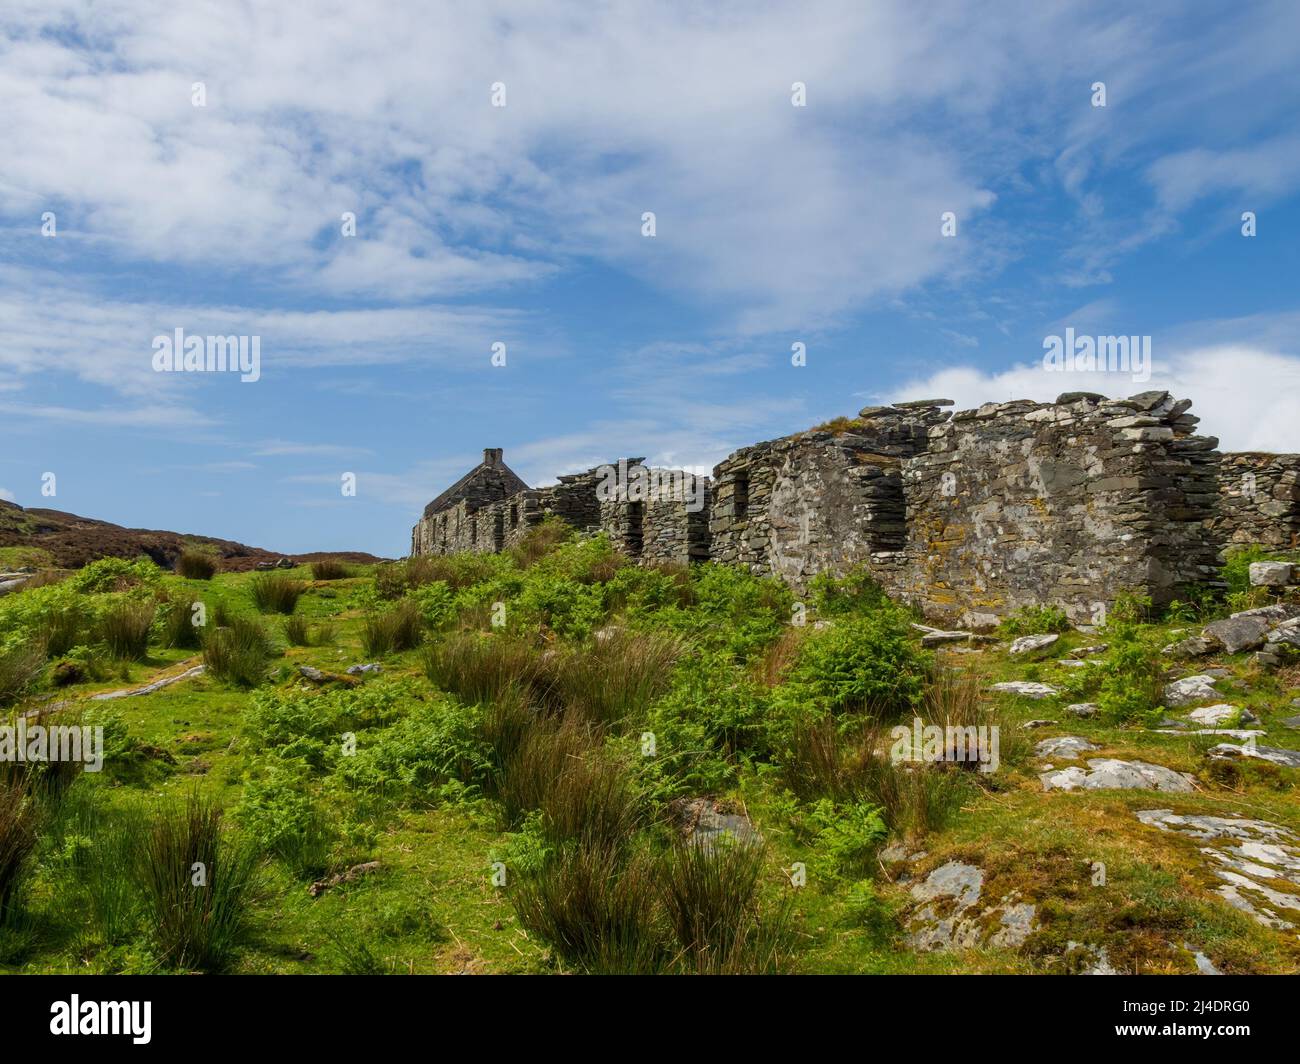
(536, 778)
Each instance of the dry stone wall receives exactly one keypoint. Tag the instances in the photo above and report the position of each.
(1068, 503)
(1259, 500)
(970, 515)
(667, 522)
(828, 499)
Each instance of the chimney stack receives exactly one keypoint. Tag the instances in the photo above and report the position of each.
(492, 456)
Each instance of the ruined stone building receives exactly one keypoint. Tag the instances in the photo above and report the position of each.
(968, 514)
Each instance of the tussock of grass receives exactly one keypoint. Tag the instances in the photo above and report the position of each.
(124, 629)
(275, 592)
(481, 669)
(400, 628)
(62, 631)
(197, 886)
(595, 909)
(196, 565)
(613, 681)
(330, 569)
(19, 669)
(541, 540)
(178, 627)
(237, 654)
(711, 897)
(18, 823)
(296, 631)
(914, 798)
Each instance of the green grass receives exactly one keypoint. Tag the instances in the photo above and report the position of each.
(500, 778)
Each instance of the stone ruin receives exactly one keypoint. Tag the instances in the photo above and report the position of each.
(969, 515)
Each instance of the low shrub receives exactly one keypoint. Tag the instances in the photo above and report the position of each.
(114, 574)
(1034, 620)
(855, 592)
(432, 746)
(871, 664)
(277, 811)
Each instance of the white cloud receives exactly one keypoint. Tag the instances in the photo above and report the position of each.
(7, 495)
(767, 209)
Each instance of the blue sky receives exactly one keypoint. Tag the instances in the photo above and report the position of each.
(522, 224)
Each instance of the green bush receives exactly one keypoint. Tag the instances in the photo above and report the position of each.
(308, 726)
(643, 590)
(734, 610)
(849, 835)
(417, 756)
(114, 574)
(571, 609)
(711, 691)
(435, 602)
(855, 592)
(872, 664)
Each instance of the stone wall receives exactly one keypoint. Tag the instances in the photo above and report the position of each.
(970, 515)
(481, 523)
(831, 498)
(1259, 500)
(666, 523)
(1068, 503)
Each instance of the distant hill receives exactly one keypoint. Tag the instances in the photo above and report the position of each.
(69, 542)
